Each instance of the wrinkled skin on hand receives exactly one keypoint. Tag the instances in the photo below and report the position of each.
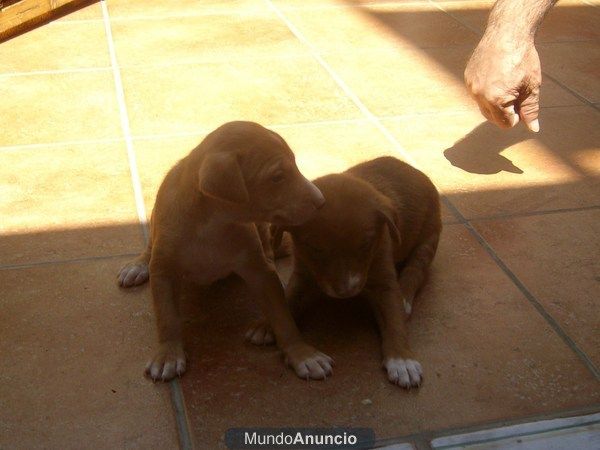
(504, 77)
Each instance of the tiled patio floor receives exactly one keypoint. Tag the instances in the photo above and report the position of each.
(96, 106)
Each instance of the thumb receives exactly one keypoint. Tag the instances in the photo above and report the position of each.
(529, 109)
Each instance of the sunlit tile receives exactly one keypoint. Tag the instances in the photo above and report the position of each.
(70, 45)
(487, 171)
(203, 96)
(66, 202)
(375, 27)
(576, 65)
(58, 107)
(201, 38)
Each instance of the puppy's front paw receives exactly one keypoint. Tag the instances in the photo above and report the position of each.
(168, 362)
(405, 373)
(260, 334)
(308, 362)
(133, 274)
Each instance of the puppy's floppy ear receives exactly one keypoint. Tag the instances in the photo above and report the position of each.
(391, 218)
(220, 177)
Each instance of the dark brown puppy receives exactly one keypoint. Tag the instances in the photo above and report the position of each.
(207, 223)
(376, 236)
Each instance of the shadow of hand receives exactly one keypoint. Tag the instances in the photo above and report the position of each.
(479, 151)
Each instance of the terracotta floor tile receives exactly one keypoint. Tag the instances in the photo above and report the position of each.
(487, 171)
(156, 8)
(193, 97)
(58, 107)
(407, 80)
(24, 53)
(77, 346)
(203, 38)
(477, 337)
(556, 257)
(377, 27)
(567, 21)
(66, 202)
(576, 65)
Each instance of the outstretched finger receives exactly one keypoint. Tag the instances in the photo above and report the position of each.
(529, 108)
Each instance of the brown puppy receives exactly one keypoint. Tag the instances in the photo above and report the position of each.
(376, 236)
(207, 223)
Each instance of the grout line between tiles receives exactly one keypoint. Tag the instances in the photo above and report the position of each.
(59, 144)
(455, 221)
(177, 399)
(341, 83)
(55, 71)
(534, 213)
(201, 132)
(135, 178)
(215, 60)
(571, 91)
(181, 416)
(134, 17)
(63, 261)
(396, 145)
(513, 277)
(528, 295)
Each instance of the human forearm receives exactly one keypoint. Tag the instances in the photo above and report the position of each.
(517, 19)
(504, 73)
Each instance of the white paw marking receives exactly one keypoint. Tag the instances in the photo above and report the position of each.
(405, 373)
(407, 306)
(166, 368)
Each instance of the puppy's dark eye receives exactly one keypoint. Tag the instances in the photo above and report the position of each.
(277, 178)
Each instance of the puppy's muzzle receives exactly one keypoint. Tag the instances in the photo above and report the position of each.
(304, 210)
(315, 194)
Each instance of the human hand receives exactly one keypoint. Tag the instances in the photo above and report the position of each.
(504, 77)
